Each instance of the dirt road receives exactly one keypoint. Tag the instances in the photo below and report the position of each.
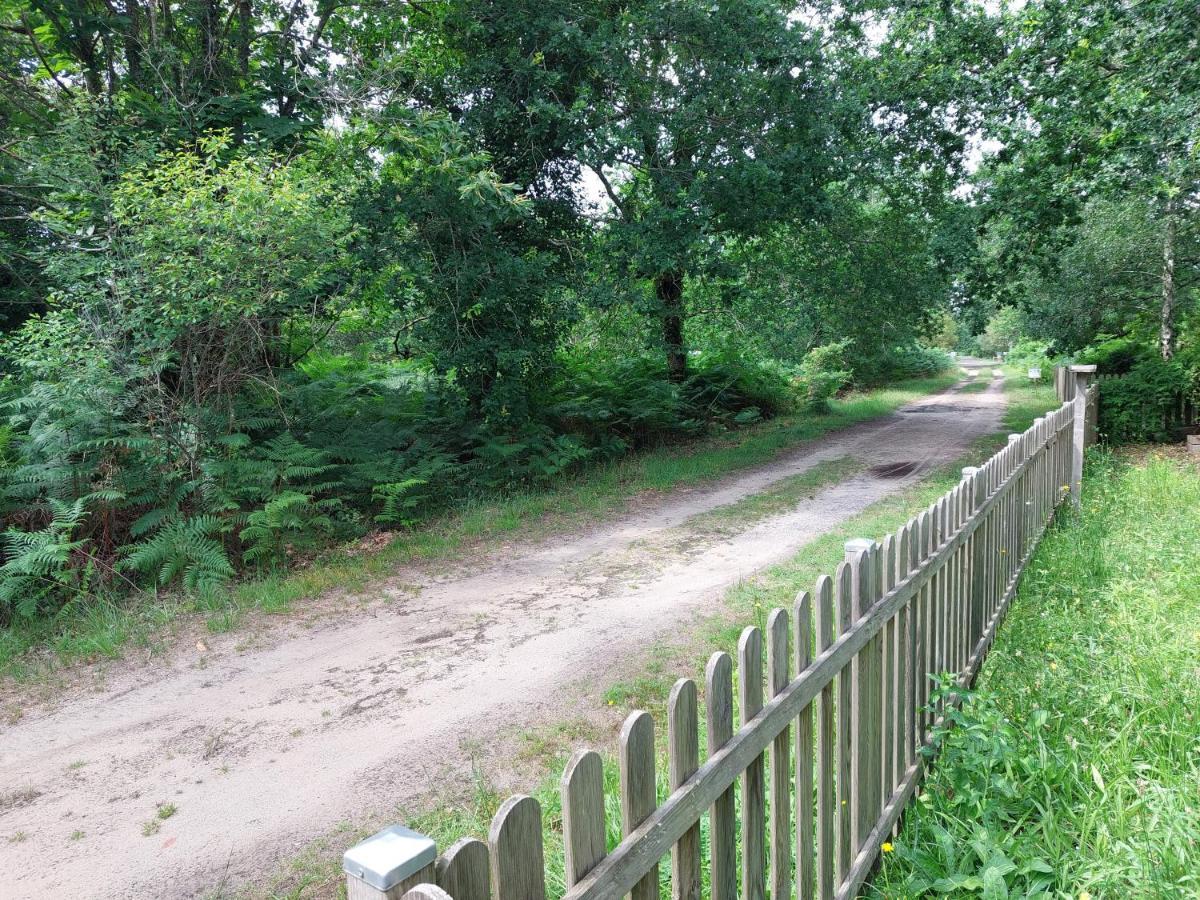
(260, 749)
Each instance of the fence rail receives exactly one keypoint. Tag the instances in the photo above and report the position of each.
(833, 698)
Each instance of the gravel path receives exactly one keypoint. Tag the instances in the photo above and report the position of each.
(263, 747)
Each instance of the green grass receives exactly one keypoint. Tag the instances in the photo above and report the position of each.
(1076, 769)
(315, 872)
(107, 627)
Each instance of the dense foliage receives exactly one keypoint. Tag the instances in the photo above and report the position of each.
(274, 275)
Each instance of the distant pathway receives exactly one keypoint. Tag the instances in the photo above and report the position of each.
(263, 749)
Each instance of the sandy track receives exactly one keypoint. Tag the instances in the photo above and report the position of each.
(262, 749)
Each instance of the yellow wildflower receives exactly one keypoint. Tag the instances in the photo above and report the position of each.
(887, 848)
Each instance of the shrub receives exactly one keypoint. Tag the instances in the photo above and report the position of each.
(1137, 406)
(821, 374)
(899, 363)
(1028, 352)
(1113, 355)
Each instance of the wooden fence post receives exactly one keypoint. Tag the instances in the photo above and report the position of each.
(1081, 374)
(388, 864)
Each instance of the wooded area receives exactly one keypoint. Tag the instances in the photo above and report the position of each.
(275, 274)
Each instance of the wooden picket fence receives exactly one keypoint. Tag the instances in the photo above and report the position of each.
(801, 797)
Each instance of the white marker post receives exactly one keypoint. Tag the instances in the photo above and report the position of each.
(1082, 375)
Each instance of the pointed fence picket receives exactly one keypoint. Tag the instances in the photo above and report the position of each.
(826, 756)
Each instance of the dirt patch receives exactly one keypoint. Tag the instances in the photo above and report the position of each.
(894, 469)
(14, 799)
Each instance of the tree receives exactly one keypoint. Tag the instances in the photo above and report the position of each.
(701, 122)
(1103, 102)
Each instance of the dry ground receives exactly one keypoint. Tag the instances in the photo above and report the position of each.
(258, 748)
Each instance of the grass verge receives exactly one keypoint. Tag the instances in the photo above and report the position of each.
(106, 627)
(1074, 767)
(315, 872)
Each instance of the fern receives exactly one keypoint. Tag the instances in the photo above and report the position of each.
(292, 518)
(39, 562)
(185, 550)
(400, 501)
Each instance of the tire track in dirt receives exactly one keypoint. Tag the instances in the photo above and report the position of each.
(263, 749)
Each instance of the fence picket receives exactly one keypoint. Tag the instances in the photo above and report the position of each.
(827, 818)
(722, 839)
(750, 685)
(805, 861)
(515, 842)
(780, 760)
(583, 815)
(683, 743)
(903, 636)
(843, 587)
(887, 742)
(638, 797)
(427, 892)
(463, 871)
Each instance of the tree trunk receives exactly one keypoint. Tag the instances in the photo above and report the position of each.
(1166, 332)
(668, 287)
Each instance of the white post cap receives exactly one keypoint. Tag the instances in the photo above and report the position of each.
(855, 546)
(385, 859)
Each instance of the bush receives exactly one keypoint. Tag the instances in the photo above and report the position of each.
(899, 363)
(94, 501)
(1028, 352)
(821, 374)
(1113, 355)
(1136, 407)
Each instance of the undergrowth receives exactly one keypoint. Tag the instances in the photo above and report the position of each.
(1073, 770)
(103, 624)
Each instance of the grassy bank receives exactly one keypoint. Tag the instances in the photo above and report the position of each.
(1076, 769)
(97, 627)
(316, 871)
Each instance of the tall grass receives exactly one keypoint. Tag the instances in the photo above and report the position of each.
(1075, 768)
